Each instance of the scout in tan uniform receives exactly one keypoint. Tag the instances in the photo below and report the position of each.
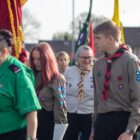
(18, 100)
(51, 90)
(117, 87)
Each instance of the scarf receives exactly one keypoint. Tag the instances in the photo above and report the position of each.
(108, 70)
(38, 81)
(80, 85)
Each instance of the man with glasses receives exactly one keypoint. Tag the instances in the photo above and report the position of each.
(79, 95)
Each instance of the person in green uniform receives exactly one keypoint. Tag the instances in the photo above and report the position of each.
(18, 100)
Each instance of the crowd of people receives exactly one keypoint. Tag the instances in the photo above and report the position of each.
(51, 100)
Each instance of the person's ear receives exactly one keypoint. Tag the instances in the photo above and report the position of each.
(110, 38)
(4, 51)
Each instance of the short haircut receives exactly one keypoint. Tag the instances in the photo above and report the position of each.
(83, 47)
(108, 28)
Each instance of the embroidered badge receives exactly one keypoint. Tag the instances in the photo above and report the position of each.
(64, 95)
(137, 72)
(120, 86)
(61, 102)
(14, 68)
(60, 96)
(63, 88)
(138, 79)
(132, 58)
(91, 86)
(58, 89)
(99, 73)
(120, 78)
(47, 88)
(43, 98)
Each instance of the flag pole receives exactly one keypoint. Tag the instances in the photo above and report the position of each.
(83, 34)
(73, 25)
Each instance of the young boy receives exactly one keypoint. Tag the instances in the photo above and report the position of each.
(117, 87)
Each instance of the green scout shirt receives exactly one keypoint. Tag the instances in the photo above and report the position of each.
(17, 95)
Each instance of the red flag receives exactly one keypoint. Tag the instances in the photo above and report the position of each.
(91, 39)
(5, 16)
(10, 19)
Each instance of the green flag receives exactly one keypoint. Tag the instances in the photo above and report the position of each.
(84, 33)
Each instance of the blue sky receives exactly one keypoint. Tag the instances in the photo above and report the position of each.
(56, 15)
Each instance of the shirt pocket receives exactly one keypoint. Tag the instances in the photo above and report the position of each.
(5, 101)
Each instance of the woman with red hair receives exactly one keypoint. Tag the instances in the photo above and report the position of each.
(51, 90)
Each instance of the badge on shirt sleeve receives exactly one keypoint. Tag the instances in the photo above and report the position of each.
(14, 68)
(59, 89)
(132, 58)
(138, 79)
(60, 96)
(63, 88)
(61, 102)
(137, 73)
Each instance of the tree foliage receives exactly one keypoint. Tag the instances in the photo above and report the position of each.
(62, 36)
(79, 20)
(30, 26)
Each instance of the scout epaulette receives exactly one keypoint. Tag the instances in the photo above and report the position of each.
(14, 68)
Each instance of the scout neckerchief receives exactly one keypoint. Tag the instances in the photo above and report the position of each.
(39, 83)
(108, 70)
(38, 89)
(80, 85)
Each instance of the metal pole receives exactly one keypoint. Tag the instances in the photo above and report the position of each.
(73, 27)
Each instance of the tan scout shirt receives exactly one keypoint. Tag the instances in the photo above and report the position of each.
(124, 87)
(52, 98)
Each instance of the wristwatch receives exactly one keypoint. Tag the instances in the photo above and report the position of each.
(29, 138)
(129, 131)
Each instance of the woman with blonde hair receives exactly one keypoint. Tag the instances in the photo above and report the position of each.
(63, 61)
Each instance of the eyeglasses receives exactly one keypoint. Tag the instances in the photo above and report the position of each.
(86, 57)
